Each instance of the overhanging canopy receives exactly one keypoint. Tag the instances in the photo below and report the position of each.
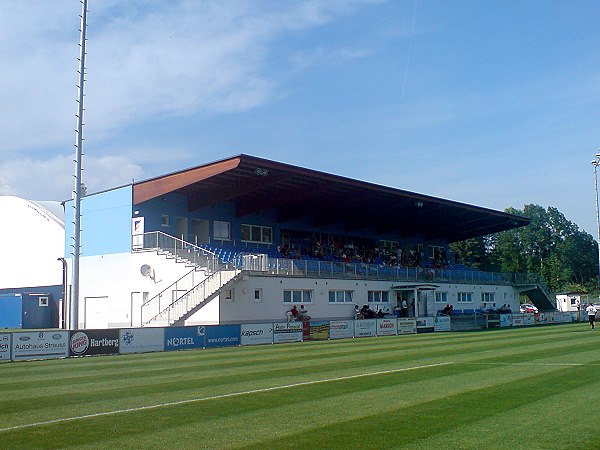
(256, 184)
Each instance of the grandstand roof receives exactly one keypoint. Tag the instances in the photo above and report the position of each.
(256, 184)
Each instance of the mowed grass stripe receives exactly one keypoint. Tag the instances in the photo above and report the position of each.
(226, 408)
(391, 346)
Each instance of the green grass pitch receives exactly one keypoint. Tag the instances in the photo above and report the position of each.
(533, 388)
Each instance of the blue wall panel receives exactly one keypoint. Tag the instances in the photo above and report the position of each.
(10, 311)
(105, 223)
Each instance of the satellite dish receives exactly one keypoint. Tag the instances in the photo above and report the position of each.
(146, 270)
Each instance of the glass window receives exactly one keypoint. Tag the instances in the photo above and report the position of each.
(441, 297)
(465, 297)
(297, 296)
(255, 233)
(164, 220)
(221, 230)
(340, 296)
(378, 296)
(488, 297)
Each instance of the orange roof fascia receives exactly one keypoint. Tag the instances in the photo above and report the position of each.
(156, 187)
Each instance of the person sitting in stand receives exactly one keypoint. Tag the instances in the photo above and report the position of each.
(447, 310)
(303, 316)
(367, 312)
(358, 313)
(294, 312)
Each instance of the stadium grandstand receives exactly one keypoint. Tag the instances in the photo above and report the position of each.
(244, 239)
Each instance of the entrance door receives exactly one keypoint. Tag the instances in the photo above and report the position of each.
(96, 312)
(200, 234)
(422, 303)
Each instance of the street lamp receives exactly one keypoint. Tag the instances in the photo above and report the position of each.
(596, 163)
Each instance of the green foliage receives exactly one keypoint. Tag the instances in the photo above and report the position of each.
(551, 245)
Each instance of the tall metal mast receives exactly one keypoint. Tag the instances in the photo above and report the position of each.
(76, 246)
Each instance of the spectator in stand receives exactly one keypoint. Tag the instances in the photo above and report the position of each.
(357, 313)
(294, 312)
(447, 310)
(303, 316)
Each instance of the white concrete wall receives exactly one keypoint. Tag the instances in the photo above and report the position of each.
(112, 287)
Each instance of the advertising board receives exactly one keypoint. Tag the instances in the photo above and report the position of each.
(319, 330)
(141, 340)
(387, 327)
(184, 338)
(407, 325)
(287, 332)
(341, 329)
(40, 345)
(506, 320)
(94, 342)
(425, 324)
(5, 347)
(222, 335)
(441, 323)
(365, 328)
(257, 333)
(517, 320)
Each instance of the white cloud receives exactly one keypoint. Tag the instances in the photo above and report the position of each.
(52, 179)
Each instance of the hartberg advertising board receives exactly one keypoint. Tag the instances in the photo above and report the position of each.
(341, 329)
(40, 345)
(94, 342)
(365, 327)
(256, 333)
(387, 327)
(184, 338)
(4, 347)
(407, 325)
(222, 335)
(287, 332)
(141, 340)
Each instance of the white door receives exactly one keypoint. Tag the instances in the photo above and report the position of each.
(96, 312)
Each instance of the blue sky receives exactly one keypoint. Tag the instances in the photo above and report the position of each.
(492, 103)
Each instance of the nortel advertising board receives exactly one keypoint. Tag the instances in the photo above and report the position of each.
(222, 335)
(257, 333)
(287, 332)
(387, 327)
(40, 345)
(184, 338)
(341, 329)
(407, 325)
(365, 327)
(94, 342)
(141, 340)
(4, 347)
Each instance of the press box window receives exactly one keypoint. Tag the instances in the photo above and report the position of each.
(164, 220)
(256, 233)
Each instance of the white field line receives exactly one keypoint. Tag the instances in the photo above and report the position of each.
(525, 364)
(216, 397)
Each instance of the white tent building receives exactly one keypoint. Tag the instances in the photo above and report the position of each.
(33, 238)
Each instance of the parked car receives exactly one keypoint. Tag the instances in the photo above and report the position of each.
(528, 308)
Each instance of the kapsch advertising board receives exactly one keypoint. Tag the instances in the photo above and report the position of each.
(341, 329)
(364, 328)
(387, 327)
(407, 325)
(94, 342)
(40, 345)
(257, 333)
(184, 338)
(222, 335)
(287, 332)
(4, 347)
(141, 340)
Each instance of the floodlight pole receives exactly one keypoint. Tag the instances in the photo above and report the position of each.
(76, 246)
(596, 163)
